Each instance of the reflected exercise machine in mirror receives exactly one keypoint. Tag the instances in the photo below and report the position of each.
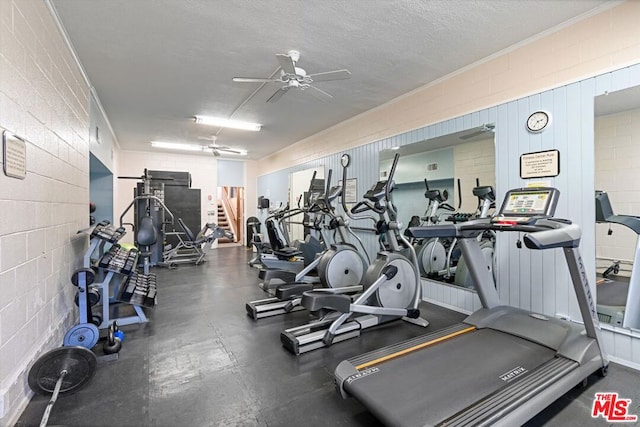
(617, 203)
(449, 178)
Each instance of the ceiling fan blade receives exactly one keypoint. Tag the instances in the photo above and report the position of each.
(480, 131)
(216, 153)
(253, 80)
(278, 94)
(319, 93)
(472, 135)
(287, 64)
(330, 75)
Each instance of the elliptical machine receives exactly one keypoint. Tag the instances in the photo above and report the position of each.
(486, 201)
(340, 267)
(289, 264)
(392, 286)
(432, 254)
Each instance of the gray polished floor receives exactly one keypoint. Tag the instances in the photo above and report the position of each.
(201, 361)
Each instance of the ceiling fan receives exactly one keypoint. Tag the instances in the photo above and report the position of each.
(218, 150)
(482, 130)
(296, 77)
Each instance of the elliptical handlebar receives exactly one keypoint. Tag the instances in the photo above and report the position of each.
(387, 187)
(343, 202)
(327, 188)
(321, 204)
(365, 205)
(313, 178)
(447, 207)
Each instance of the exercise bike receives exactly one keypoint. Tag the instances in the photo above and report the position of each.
(392, 286)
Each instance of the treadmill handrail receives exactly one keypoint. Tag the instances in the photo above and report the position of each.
(545, 233)
(438, 230)
(567, 236)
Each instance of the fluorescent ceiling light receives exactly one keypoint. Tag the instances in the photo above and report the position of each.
(227, 123)
(177, 146)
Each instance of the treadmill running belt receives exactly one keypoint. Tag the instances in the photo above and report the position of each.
(428, 386)
(613, 293)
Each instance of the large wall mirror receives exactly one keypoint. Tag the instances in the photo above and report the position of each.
(435, 181)
(617, 164)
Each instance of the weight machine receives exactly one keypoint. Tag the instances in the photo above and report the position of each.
(149, 219)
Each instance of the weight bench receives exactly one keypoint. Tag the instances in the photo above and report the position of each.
(193, 249)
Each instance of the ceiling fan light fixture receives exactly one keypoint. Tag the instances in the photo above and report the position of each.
(177, 146)
(227, 123)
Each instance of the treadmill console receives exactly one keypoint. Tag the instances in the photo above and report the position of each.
(376, 193)
(525, 205)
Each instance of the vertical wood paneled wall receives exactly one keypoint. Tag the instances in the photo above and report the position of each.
(533, 280)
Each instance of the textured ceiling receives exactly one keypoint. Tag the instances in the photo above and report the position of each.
(157, 63)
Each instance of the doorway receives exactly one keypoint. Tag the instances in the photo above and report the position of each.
(230, 213)
(100, 190)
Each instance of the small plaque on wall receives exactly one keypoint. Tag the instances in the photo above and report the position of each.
(351, 191)
(541, 164)
(14, 156)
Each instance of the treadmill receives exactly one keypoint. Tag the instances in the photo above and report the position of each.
(613, 293)
(501, 365)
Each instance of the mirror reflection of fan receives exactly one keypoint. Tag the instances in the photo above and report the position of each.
(296, 77)
(482, 130)
(216, 149)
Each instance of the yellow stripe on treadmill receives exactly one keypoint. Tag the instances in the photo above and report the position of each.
(414, 348)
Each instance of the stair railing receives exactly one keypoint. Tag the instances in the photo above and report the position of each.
(230, 210)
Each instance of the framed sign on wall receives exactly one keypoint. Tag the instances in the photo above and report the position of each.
(540, 164)
(14, 155)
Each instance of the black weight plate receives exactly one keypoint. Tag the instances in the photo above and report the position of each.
(96, 319)
(90, 276)
(79, 362)
(94, 297)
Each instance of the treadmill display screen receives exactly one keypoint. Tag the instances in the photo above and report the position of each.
(527, 203)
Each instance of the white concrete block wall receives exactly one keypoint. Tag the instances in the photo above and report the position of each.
(470, 161)
(617, 161)
(44, 99)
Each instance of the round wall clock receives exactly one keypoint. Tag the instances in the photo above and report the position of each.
(345, 160)
(538, 121)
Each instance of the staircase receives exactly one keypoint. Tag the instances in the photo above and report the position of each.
(223, 222)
